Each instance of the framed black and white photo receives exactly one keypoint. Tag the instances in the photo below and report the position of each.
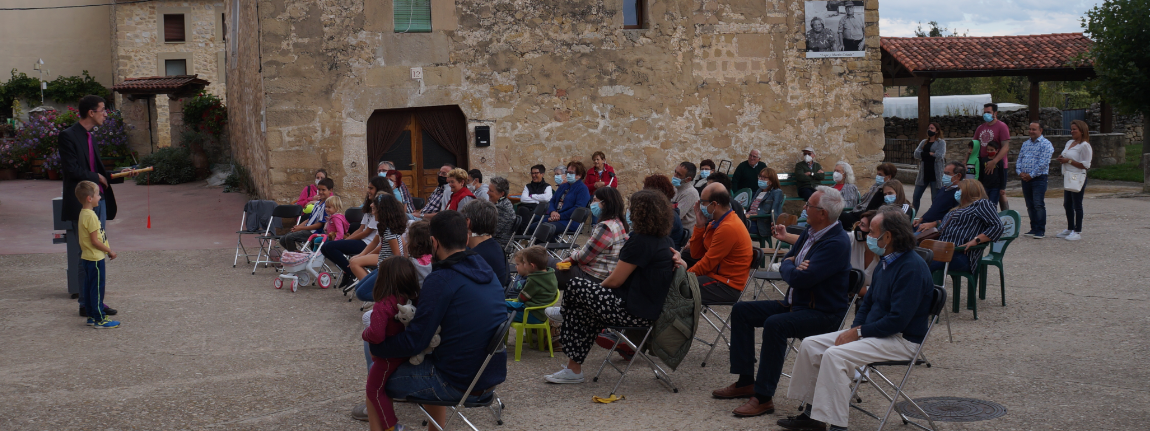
(835, 29)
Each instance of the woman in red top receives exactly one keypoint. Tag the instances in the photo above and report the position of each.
(601, 174)
(460, 195)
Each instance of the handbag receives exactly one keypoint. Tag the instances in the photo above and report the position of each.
(1073, 181)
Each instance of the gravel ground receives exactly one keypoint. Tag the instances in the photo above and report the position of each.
(205, 346)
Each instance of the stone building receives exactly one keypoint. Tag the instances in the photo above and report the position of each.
(340, 84)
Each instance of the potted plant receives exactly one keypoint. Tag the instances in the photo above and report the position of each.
(52, 165)
(15, 158)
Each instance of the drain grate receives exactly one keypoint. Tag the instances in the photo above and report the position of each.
(953, 409)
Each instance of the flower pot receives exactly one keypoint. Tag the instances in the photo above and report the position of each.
(52, 174)
(7, 174)
(37, 168)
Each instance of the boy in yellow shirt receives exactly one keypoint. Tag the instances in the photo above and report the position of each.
(94, 244)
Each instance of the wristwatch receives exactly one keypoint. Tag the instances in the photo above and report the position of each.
(858, 331)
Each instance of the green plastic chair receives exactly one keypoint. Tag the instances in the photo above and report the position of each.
(761, 220)
(996, 251)
(541, 329)
(743, 197)
(956, 278)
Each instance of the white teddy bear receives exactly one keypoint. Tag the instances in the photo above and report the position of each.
(404, 315)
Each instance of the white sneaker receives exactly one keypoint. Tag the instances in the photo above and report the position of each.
(1064, 233)
(1073, 236)
(564, 376)
(554, 313)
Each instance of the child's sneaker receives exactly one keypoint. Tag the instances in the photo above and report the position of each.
(564, 376)
(106, 324)
(91, 322)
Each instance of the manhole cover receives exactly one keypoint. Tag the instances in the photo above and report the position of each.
(953, 409)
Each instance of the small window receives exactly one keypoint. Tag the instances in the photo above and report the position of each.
(633, 14)
(175, 67)
(174, 28)
(223, 27)
(412, 16)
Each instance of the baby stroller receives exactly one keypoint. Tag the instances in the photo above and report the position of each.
(303, 267)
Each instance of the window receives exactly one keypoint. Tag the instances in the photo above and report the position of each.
(412, 16)
(175, 67)
(174, 28)
(633, 14)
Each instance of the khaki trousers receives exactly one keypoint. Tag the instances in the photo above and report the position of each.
(823, 372)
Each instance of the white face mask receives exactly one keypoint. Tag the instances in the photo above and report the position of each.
(807, 158)
(838, 176)
(317, 181)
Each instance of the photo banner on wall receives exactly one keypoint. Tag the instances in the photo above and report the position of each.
(835, 29)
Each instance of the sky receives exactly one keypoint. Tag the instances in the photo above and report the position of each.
(984, 17)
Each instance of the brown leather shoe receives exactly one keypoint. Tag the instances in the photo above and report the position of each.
(731, 392)
(753, 408)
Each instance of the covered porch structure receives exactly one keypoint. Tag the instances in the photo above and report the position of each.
(164, 118)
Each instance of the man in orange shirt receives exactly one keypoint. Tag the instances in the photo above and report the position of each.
(722, 241)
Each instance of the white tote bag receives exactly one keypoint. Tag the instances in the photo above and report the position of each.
(1073, 181)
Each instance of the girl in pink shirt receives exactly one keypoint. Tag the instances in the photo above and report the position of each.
(337, 225)
(397, 283)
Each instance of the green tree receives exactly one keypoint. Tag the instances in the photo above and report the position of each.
(1120, 30)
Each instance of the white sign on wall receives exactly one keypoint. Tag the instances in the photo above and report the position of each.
(835, 29)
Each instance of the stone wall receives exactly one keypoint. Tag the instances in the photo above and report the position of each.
(1019, 122)
(139, 47)
(557, 81)
(246, 94)
(1109, 149)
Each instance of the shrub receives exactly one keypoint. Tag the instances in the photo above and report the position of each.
(40, 136)
(206, 113)
(173, 165)
(15, 155)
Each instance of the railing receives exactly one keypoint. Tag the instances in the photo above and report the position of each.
(900, 151)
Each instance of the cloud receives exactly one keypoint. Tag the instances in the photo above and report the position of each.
(900, 18)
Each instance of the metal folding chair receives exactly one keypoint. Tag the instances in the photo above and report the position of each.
(756, 261)
(517, 241)
(938, 302)
(939, 251)
(620, 337)
(488, 398)
(269, 241)
(855, 284)
(766, 276)
(354, 216)
(250, 210)
(566, 240)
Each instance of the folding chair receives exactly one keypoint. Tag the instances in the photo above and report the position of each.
(566, 238)
(938, 251)
(250, 226)
(772, 277)
(938, 302)
(756, 261)
(855, 283)
(488, 398)
(537, 218)
(620, 337)
(354, 216)
(269, 241)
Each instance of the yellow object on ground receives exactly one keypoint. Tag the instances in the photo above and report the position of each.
(607, 400)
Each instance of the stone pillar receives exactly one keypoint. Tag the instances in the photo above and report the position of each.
(1034, 100)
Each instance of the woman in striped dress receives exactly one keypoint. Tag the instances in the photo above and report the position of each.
(975, 221)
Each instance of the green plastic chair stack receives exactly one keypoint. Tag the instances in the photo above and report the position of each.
(541, 330)
(996, 251)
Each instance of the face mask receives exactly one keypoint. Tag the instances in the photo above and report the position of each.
(317, 182)
(946, 181)
(383, 174)
(931, 133)
(879, 179)
(442, 181)
(888, 199)
(807, 158)
(987, 117)
(872, 244)
(570, 178)
(860, 236)
(838, 176)
(763, 184)
(675, 181)
(703, 174)
(558, 179)
(471, 187)
(595, 209)
(803, 215)
(706, 214)
(958, 195)
(628, 217)
(398, 197)
(391, 183)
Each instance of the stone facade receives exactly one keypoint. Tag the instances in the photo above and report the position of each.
(141, 50)
(556, 81)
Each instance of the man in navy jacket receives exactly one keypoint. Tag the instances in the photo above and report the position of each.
(889, 326)
(463, 297)
(817, 269)
(944, 200)
(570, 194)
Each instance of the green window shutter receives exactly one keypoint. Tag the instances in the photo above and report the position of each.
(412, 16)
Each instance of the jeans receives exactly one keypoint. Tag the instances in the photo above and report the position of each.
(337, 251)
(101, 212)
(1072, 202)
(365, 290)
(1034, 193)
(94, 279)
(779, 324)
(422, 381)
(992, 195)
(716, 292)
(919, 189)
(960, 263)
(806, 192)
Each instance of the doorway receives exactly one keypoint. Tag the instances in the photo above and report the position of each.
(419, 141)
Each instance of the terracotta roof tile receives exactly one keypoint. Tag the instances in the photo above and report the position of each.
(158, 84)
(1040, 51)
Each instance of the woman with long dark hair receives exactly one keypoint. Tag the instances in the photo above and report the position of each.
(356, 242)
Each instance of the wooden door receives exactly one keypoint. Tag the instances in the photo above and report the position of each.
(418, 157)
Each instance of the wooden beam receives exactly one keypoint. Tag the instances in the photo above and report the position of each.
(1034, 99)
(923, 108)
(1107, 125)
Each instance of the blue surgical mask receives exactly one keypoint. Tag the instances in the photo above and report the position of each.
(888, 199)
(571, 178)
(958, 195)
(596, 210)
(987, 117)
(391, 183)
(872, 244)
(703, 174)
(946, 181)
(383, 174)
(675, 181)
(706, 214)
(879, 179)
(558, 179)
(628, 217)
(763, 184)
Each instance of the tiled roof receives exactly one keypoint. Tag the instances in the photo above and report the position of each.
(159, 84)
(1040, 51)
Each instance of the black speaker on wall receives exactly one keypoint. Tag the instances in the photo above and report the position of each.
(482, 136)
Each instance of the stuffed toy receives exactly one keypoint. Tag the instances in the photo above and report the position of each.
(404, 315)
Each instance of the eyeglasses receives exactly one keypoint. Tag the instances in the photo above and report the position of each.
(536, 173)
